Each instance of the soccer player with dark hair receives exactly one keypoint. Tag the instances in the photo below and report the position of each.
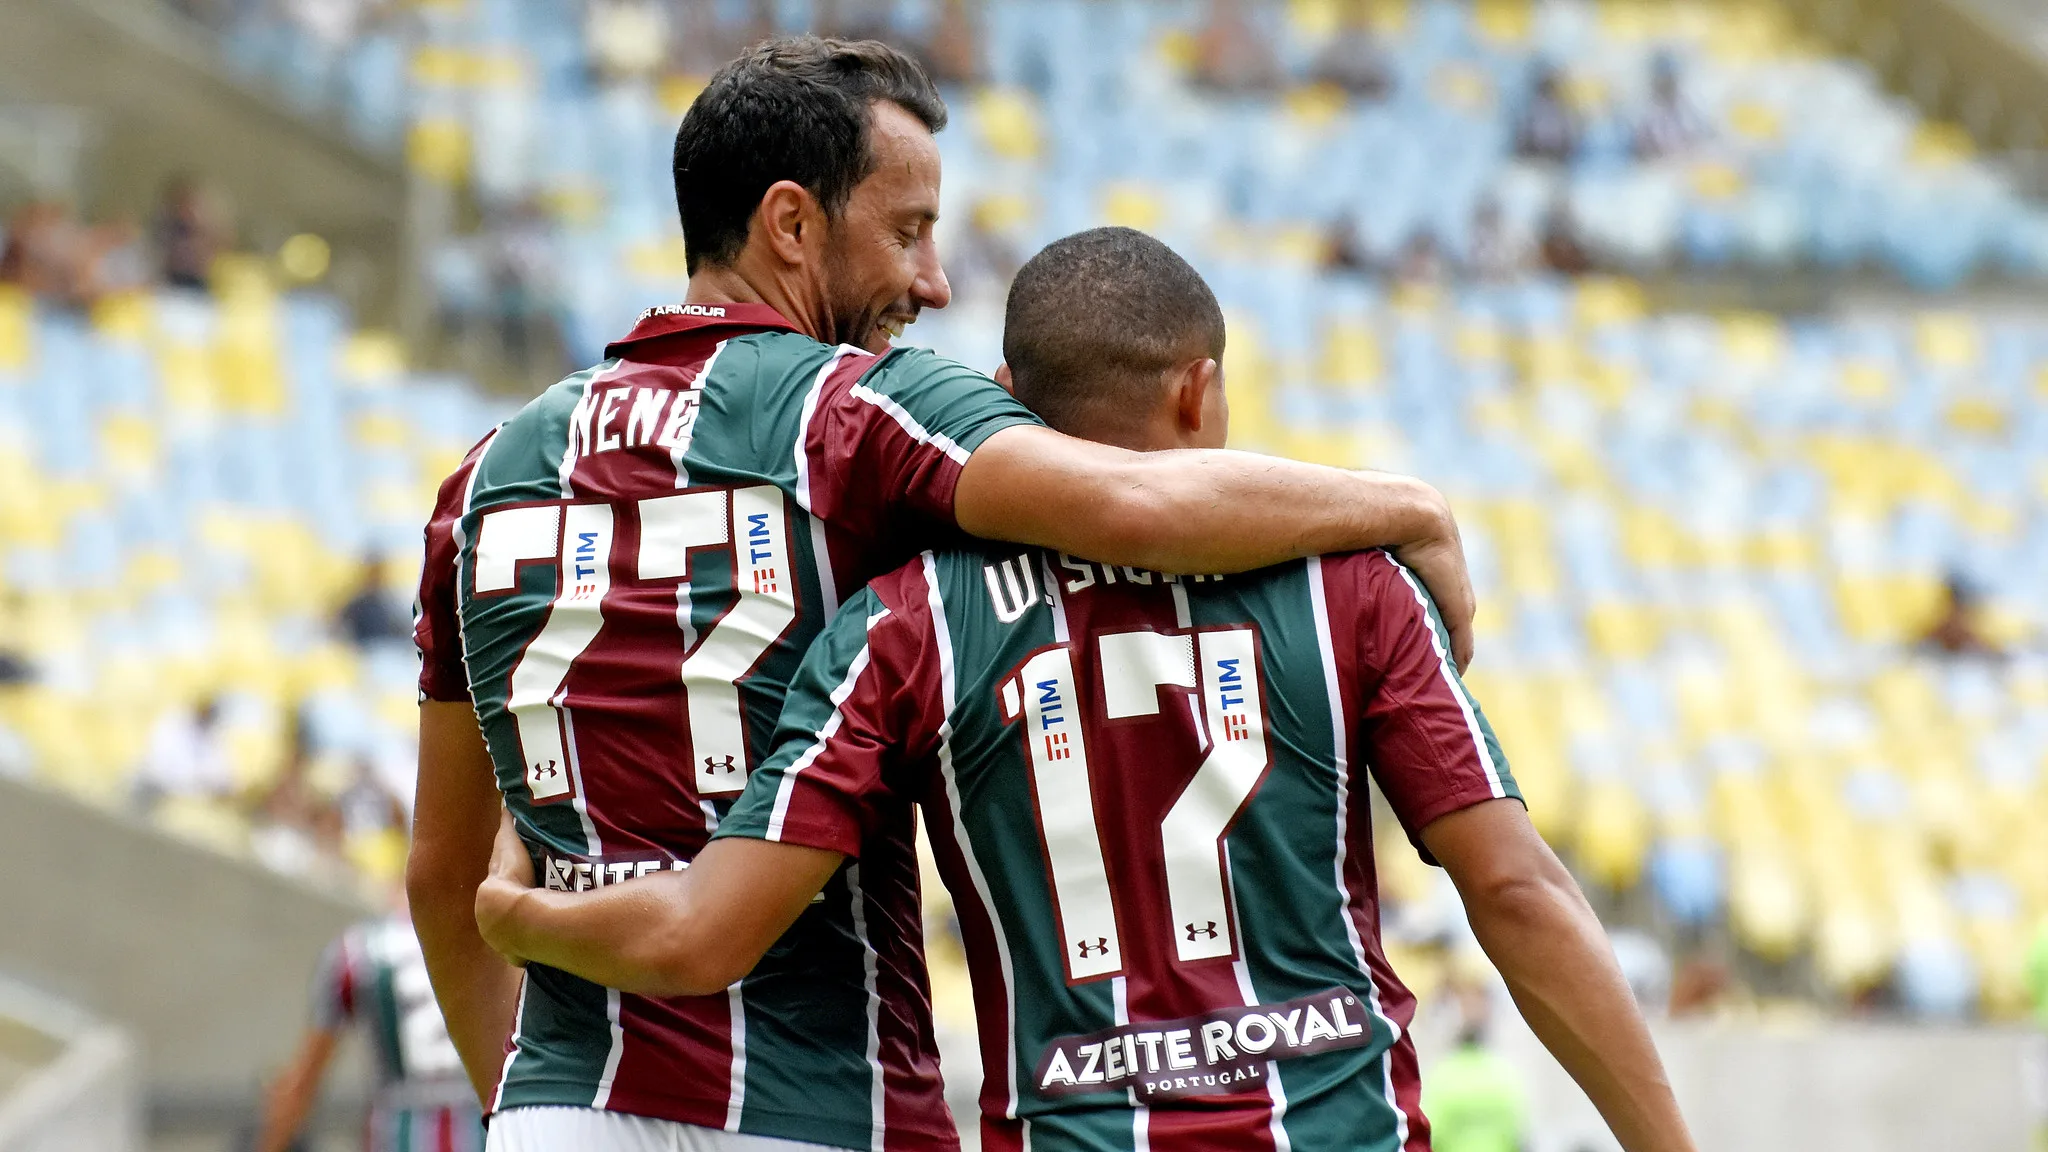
(1148, 796)
(622, 579)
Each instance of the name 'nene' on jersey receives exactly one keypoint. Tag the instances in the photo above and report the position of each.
(1148, 796)
(623, 579)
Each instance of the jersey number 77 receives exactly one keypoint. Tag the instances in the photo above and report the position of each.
(1227, 716)
(750, 524)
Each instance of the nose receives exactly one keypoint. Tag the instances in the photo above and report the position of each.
(930, 289)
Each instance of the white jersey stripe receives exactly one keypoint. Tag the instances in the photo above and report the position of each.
(1450, 675)
(803, 428)
(1341, 757)
(870, 976)
(909, 424)
(943, 638)
(829, 729)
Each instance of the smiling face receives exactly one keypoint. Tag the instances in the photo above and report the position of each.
(881, 264)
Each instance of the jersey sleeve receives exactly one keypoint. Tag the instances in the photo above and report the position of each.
(434, 629)
(1430, 746)
(890, 435)
(860, 722)
(337, 984)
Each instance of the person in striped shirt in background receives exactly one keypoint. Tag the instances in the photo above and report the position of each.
(372, 977)
(1149, 797)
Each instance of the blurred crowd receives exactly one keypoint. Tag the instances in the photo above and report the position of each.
(65, 262)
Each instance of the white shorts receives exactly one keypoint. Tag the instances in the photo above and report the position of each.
(561, 1129)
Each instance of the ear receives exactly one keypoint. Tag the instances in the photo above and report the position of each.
(1003, 378)
(786, 214)
(1192, 386)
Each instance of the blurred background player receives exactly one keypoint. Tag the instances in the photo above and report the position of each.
(374, 980)
(1169, 911)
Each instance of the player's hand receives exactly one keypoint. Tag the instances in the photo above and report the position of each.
(497, 898)
(1439, 561)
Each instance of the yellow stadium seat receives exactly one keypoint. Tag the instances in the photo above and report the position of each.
(1949, 340)
(186, 374)
(205, 822)
(379, 855)
(127, 317)
(1865, 381)
(438, 149)
(1767, 907)
(1503, 21)
(1754, 339)
(17, 328)
(1008, 123)
(1458, 84)
(1756, 122)
(1939, 144)
(1613, 833)
(1621, 631)
(1853, 947)
(1603, 300)
(1350, 355)
(1315, 105)
(372, 357)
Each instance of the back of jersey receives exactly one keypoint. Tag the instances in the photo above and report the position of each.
(1156, 813)
(639, 559)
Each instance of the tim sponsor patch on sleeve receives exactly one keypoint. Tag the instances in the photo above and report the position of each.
(1217, 1053)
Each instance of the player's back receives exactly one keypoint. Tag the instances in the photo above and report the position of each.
(641, 557)
(1152, 808)
(375, 977)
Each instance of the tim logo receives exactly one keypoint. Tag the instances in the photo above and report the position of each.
(1235, 727)
(1050, 705)
(1100, 947)
(723, 764)
(1229, 680)
(584, 564)
(760, 547)
(1056, 746)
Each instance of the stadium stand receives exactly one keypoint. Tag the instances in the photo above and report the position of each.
(1713, 549)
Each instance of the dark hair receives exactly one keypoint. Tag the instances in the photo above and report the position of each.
(793, 108)
(1095, 318)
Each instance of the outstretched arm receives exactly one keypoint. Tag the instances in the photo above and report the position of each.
(688, 933)
(291, 1097)
(1208, 511)
(455, 814)
(1537, 928)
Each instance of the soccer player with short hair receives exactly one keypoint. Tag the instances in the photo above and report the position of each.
(621, 581)
(1148, 795)
(373, 977)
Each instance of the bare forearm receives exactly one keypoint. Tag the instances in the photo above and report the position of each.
(1549, 947)
(644, 937)
(478, 992)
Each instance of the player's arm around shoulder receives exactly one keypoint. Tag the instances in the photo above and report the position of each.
(805, 810)
(1195, 510)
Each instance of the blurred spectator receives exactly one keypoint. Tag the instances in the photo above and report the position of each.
(952, 53)
(1548, 128)
(49, 254)
(1495, 255)
(1562, 251)
(628, 39)
(367, 806)
(984, 260)
(1422, 262)
(520, 260)
(186, 757)
(295, 805)
(1344, 249)
(370, 617)
(854, 20)
(188, 234)
(1353, 60)
(1671, 126)
(1699, 986)
(704, 40)
(1955, 632)
(1232, 54)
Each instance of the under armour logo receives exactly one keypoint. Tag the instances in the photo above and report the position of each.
(713, 764)
(1099, 948)
(1195, 930)
(546, 770)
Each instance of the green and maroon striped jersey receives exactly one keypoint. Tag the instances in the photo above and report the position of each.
(623, 578)
(374, 977)
(1148, 796)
